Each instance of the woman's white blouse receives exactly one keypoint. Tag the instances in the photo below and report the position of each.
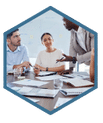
(46, 59)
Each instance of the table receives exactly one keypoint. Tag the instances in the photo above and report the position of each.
(47, 103)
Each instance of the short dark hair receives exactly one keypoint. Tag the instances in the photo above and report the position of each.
(46, 34)
(10, 34)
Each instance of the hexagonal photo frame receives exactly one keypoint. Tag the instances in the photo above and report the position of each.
(46, 97)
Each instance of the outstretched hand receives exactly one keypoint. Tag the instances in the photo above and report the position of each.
(67, 58)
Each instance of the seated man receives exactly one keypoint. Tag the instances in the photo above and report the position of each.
(17, 56)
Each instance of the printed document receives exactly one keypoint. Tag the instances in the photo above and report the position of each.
(77, 82)
(38, 92)
(30, 82)
(77, 75)
(52, 77)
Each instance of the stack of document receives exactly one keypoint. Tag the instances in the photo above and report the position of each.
(74, 91)
(38, 92)
(77, 82)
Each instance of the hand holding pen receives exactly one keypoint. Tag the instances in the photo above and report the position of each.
(36, 69)
(33, 66)
(65, 58)
(60, 60)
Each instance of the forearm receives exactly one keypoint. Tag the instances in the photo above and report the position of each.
(84, 58)
(56, 69)
(92, 69)
(16, 66)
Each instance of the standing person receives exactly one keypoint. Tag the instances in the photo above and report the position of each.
(17, 55)
(81, 43)
(46, 60)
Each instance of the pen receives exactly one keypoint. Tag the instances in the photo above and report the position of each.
(33, 66)
(60, 59)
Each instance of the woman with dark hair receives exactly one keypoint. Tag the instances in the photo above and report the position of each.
(46, 60)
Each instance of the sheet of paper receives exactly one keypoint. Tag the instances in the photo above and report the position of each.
(61, 101)
(52, 77)
(77, 75)
(30, 91)
(30, 82)
(80, 76)
(75, 91)
(25, 90)
(43, 92)
(34, 100)
(77, 81)
(16, 88)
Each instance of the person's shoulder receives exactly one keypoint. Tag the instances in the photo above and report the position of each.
(42, 52)
(59, 51)
(22, 47)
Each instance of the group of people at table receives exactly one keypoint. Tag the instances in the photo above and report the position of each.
(81, 49)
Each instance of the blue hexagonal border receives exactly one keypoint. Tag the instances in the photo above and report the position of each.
(96, 59)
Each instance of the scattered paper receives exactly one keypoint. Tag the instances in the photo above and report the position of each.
(74, 91)
(77, 75)
(30, 82)
(77, 82)
(16, 88)
(52, 77)
(30, 91)
(34, 100)
(61, 101)
(25, 89)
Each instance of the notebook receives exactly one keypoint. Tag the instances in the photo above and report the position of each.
(74, 91)
(77, 82)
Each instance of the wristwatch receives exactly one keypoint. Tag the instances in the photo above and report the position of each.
(46, 68)
(74, 60)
